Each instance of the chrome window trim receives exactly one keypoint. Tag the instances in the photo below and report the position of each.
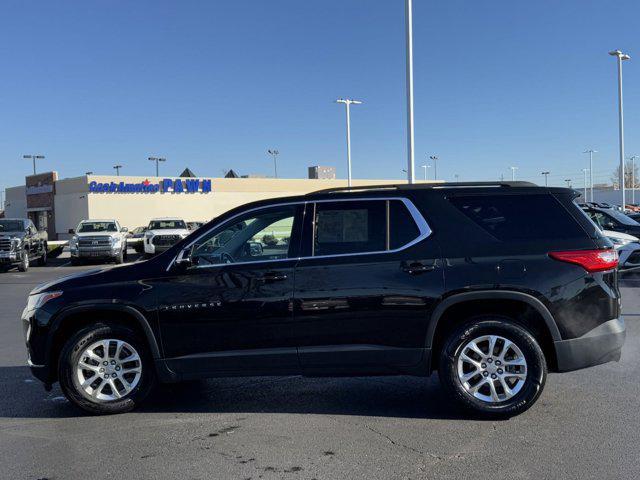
(421, 223)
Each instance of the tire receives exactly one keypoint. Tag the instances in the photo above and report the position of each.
(23, 266)
(119, 258)
(496, 401)
(89, 399)
(42, 261)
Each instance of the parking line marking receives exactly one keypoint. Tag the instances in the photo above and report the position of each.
(63, 265)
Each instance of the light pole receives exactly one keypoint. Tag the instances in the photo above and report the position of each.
(88, 173)
(274, 153)
(633, 178)
(591, 152)
(513, 173)
(425, 166)
(621, 57)
(157, 160)
(457, 177)
(410, 138)
(347, 103)
(434, 159)
(546, 175)
(568, 180)
(117, 169)
(34, 158)
(584, 171)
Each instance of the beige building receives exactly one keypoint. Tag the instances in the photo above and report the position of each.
(133, 201)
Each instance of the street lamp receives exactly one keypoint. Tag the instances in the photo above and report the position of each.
(347, 103)
(620, 57)
(425, 166)
(274, 153)
(88, 173)
(546, 176)
(34, 158)
(117, 169)
(457, 177)
(409, 48)
(568, 180)
(157, 160)
(584, 171)
(434, 159)
(591, 152)
(513, 173)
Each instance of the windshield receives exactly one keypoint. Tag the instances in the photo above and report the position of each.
(11, 226)
(92, 227)
(167, 224)
(622, 218)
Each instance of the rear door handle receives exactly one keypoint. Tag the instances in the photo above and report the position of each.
(273, 277)
(416, 268)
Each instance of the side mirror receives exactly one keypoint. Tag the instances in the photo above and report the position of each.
(125, 229)
(72, 231)
(255, 249)
(183, 260)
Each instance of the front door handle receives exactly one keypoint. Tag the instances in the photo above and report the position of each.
(416, 268)
(273, 277)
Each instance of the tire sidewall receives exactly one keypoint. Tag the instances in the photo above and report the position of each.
(504, 327)
(74, 348)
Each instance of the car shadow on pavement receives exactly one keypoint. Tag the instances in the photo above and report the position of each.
(22, 396)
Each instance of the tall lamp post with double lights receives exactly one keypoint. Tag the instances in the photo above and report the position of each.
(34, 158)
(621, 57)
(584, 171)
(590, 152)
(117, 169)
(546, 175)
(157, 160)
(633, 177)
(347, 103)
(434, 159)
(274, 153)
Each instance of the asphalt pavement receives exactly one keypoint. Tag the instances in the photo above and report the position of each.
(585, 425)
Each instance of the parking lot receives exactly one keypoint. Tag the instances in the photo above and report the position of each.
(584, 426)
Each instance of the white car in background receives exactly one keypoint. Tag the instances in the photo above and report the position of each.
(163, 233)
(98, 239)
(628, 248)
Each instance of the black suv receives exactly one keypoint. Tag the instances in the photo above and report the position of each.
(490, 284)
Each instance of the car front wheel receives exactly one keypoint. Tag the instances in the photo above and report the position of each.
(106, 369)
(493, 367)
(23, 266)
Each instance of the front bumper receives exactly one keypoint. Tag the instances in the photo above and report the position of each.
(10, 257)
(601, 345)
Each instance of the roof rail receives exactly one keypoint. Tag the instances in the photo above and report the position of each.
(422, 186)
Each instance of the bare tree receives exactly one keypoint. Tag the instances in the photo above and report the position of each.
(628, 166)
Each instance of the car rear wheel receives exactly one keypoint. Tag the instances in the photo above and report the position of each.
(493, 367)
(106, 369)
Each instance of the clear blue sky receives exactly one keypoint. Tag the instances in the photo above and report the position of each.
(213, 84)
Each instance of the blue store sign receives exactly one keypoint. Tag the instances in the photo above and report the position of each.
(167, 185)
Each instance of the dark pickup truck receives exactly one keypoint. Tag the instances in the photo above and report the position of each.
(20, 243)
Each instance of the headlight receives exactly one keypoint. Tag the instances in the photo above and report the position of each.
(16, 243)
(73, 243)
(184, 235)
(115, 241)
(39, 299)
(148, 235)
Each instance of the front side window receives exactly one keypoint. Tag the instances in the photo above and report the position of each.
(257, 236)
(11, 226)
(348, 227)
(96, 227)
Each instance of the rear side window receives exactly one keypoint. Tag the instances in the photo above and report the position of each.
(347, 227)
(519, 217)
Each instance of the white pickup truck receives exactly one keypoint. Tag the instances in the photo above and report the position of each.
(98, 239)
(163, 233)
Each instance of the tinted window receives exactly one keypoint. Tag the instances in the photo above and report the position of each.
(87, 227)
(350, 227)
(260, 236)
(402, 227)
(11, 226)
(167, 225)
(519, 217)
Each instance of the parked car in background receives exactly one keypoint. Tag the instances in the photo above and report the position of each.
(378, 281)
(163, 233)
(612, 219)
(628, 248)
(21, 243)
(102, 240)
(137, 237)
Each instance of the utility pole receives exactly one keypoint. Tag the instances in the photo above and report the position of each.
(274, 153)
(633, 178)
(584, 171)
(568, 180)
(434, 159)
(546, 175)
(117, 169)
(157, 160)
(425, 166)
(34, 158)
(409, 48)
(513, 173)
(620, 58)
(347, 103)
(457, 177)
(591, 152)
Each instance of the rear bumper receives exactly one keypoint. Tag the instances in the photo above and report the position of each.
(601, 345)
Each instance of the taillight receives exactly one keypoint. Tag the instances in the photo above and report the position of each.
(590, 260)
